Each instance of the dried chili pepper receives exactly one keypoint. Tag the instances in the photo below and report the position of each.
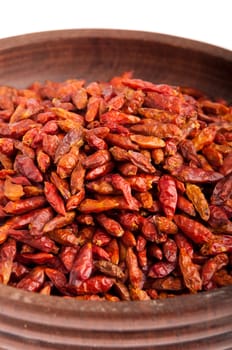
(75, 200)
(80, 98)
(161, 269)
(149, 230)
(183, 242)
(197, 175)
(212, 265)
(141, 162)
(119, 118)
(170, 250)
(218, 216)
(138, 294)
(111, 226)
(204, 137)
(67, 256)
(61, 184)
(226, 167)
(64, 236)
(22, 206)
(43, 243)
(43, 160)
(157, 130)
(53, 198)
(33, 281)
(193, 229)
(119, 153)
(101, 237)
(92, 108)
(35, 258)
(128, 169)
(121, 141)
(119, 183)
(59, 221)
(148, 141)
(82, 265)
(217, 244)
(89, 205)
(96, 159)
(185, 205)
(222, 191)
(109, 269)
(26, 167)
(214, 157)
(95, 285)
(100, 171)
(128, 239)
(165, 225)
(168, 195)
(94, 141)
(199, 201)
(12, 191)
(6, 146)
(190, 272)
(135, 273)
(7, 255)
(73, 137)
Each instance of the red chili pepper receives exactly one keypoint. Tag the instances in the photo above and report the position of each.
(82, 265)
(22, 206)
(33, 281)
(26, 167)
(101, 253)
(212, 265)
(170, 250)
(54, 198)
(56, 277)
(193, 229)
(167, 195)
(7, 256)
(42, 243)
(161, 269)
(119, 183)
(135, 273)
(95, 285)
(111, 226)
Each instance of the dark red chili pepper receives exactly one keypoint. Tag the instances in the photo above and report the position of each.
(26, 167)
(167, 195)
(82, 265)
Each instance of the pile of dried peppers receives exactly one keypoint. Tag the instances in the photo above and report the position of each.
(118, 190)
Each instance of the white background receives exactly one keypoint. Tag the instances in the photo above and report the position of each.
(204, 20)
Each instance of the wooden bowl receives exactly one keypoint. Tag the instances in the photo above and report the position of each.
(31, 321)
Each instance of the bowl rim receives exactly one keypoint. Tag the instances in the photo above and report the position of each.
(197, 308)
(48, 307)
(104, 33)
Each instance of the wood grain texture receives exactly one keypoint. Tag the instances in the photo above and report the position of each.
(189, 322)
(30, 321)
